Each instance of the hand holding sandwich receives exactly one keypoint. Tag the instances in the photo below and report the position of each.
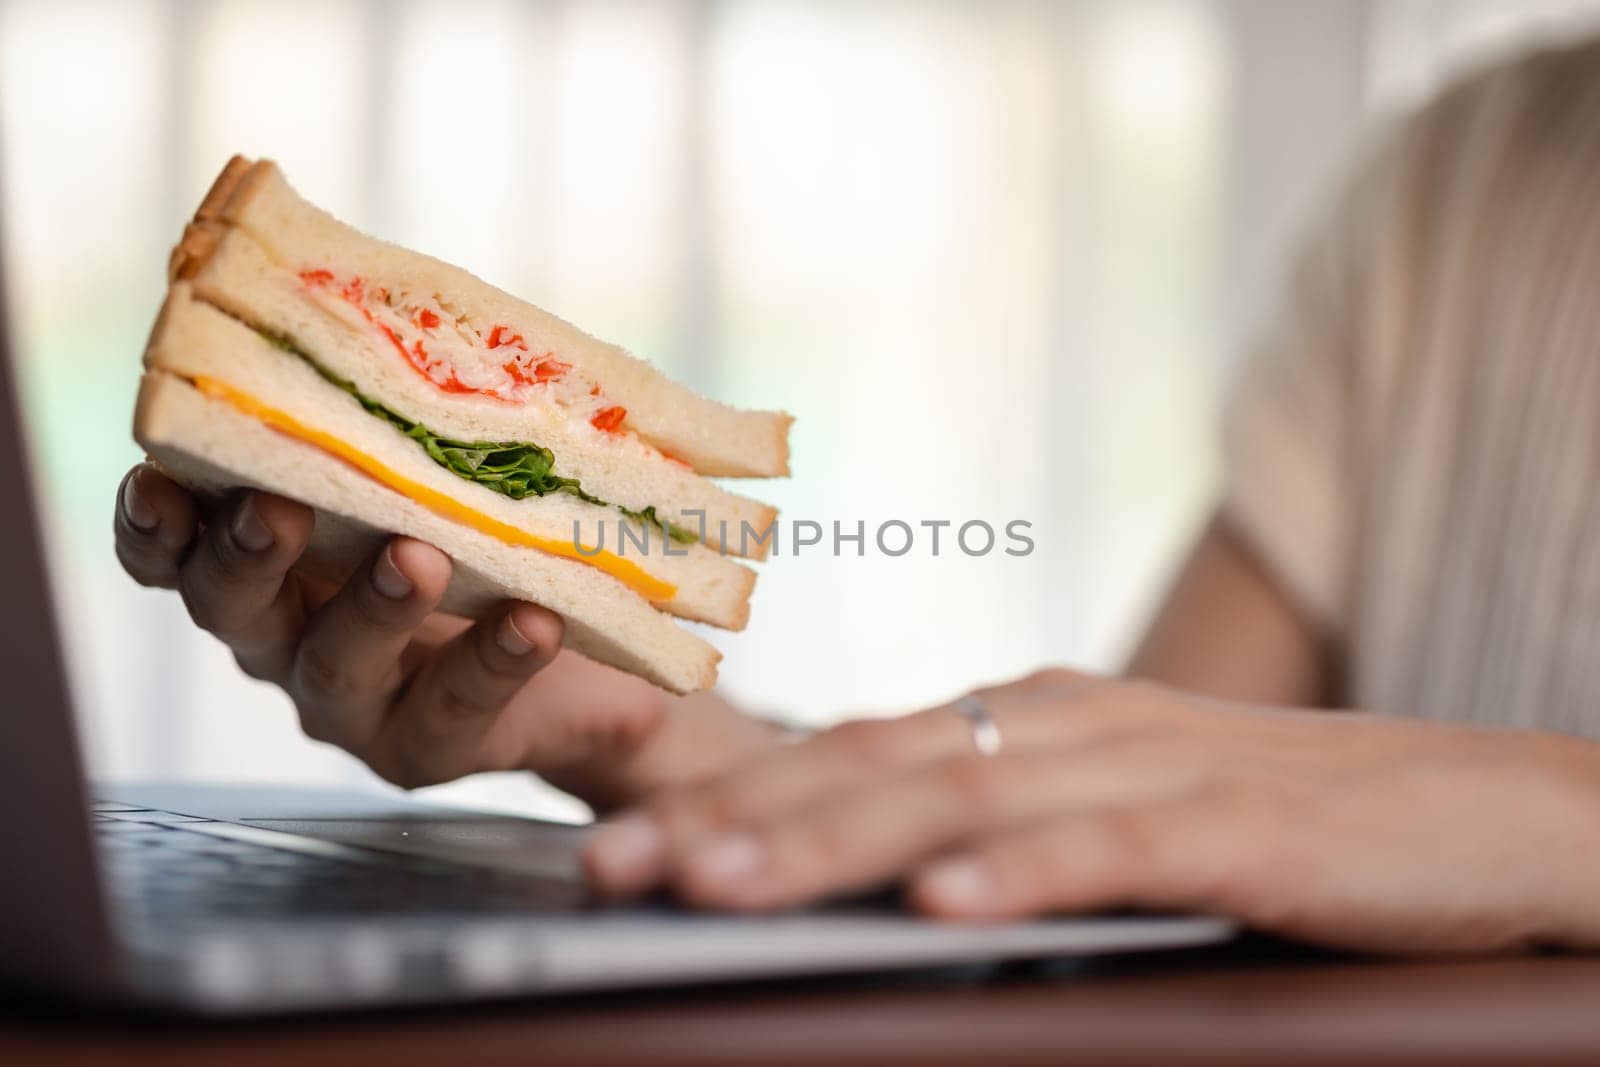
(420, 697)
(310, 392)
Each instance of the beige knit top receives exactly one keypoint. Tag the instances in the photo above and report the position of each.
(1415, 449)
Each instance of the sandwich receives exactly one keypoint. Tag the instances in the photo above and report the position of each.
(394, 393)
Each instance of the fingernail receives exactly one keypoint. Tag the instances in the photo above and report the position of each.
(730, 858)
(626, 852)
(510, 639)
(249, 532)
(387, 579)
(136, 509)
(958, 883)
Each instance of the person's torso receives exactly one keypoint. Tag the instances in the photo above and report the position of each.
(1476, 589)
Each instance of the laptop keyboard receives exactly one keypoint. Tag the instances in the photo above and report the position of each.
(174, 870)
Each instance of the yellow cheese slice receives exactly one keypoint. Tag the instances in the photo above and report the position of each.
(629, 574)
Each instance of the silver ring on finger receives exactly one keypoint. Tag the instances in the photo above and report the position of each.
(985, 731)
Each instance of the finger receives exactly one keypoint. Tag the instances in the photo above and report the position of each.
(154, 524)
(1036, 713)
(346, 669)
(847, 757)
(234, 580)
(629, 856)
(437, 731)
(867, 837)
(1181, 854)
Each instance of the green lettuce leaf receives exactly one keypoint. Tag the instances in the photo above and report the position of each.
(516, 469)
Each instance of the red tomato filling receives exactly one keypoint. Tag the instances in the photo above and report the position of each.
(521, 368)
(609, 419)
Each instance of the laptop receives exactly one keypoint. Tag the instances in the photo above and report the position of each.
(241, 901)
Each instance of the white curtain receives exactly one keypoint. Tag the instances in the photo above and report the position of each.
(995, 256)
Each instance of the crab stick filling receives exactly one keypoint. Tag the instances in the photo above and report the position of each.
(625, 571)
(457, 356)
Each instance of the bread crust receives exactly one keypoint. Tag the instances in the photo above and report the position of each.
(193, 250)
(201, 235)
(247, 186)
(221, 191)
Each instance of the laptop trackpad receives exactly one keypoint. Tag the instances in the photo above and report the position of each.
(521, 846)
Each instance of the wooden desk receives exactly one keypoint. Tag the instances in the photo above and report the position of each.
(1229, 1006)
